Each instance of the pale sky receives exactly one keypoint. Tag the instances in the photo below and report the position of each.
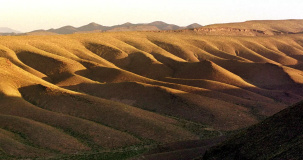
(28, 15)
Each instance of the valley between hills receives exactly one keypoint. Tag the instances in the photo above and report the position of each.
(89, 93)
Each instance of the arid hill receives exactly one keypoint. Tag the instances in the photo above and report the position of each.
(83, 94)
(254, 28)
(193, 26)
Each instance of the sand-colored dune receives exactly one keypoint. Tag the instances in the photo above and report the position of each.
(99, 91)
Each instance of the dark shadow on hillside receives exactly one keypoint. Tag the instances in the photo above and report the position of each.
(171, 48)
(155, 99)
(101, 74)
(184, 150)
(148, 98)
(141, 64)
(286, 93)
(278, 137)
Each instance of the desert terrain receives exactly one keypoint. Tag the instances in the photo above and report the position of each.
(122, 93)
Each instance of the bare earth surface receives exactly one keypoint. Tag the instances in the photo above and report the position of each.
(85, 93)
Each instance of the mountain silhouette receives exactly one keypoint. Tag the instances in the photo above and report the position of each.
(154, 26)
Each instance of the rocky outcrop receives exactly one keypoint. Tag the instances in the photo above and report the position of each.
(230, 31)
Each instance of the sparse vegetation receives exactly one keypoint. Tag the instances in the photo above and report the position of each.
(103, 155)
(76, 96)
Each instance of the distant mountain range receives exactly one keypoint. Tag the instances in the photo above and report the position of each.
(94, 27)
(247, 28)
(8, 30)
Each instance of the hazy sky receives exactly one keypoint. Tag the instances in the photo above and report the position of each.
(27, 15)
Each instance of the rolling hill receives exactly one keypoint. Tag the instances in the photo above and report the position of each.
(96, 93)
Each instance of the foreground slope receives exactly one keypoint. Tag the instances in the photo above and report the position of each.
(103, 91)
(278, 137)
(50, 123)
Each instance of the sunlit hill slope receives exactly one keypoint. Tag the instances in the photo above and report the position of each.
(67, 94)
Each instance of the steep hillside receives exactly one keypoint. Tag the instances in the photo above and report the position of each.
(278, 137)
(103, 92)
